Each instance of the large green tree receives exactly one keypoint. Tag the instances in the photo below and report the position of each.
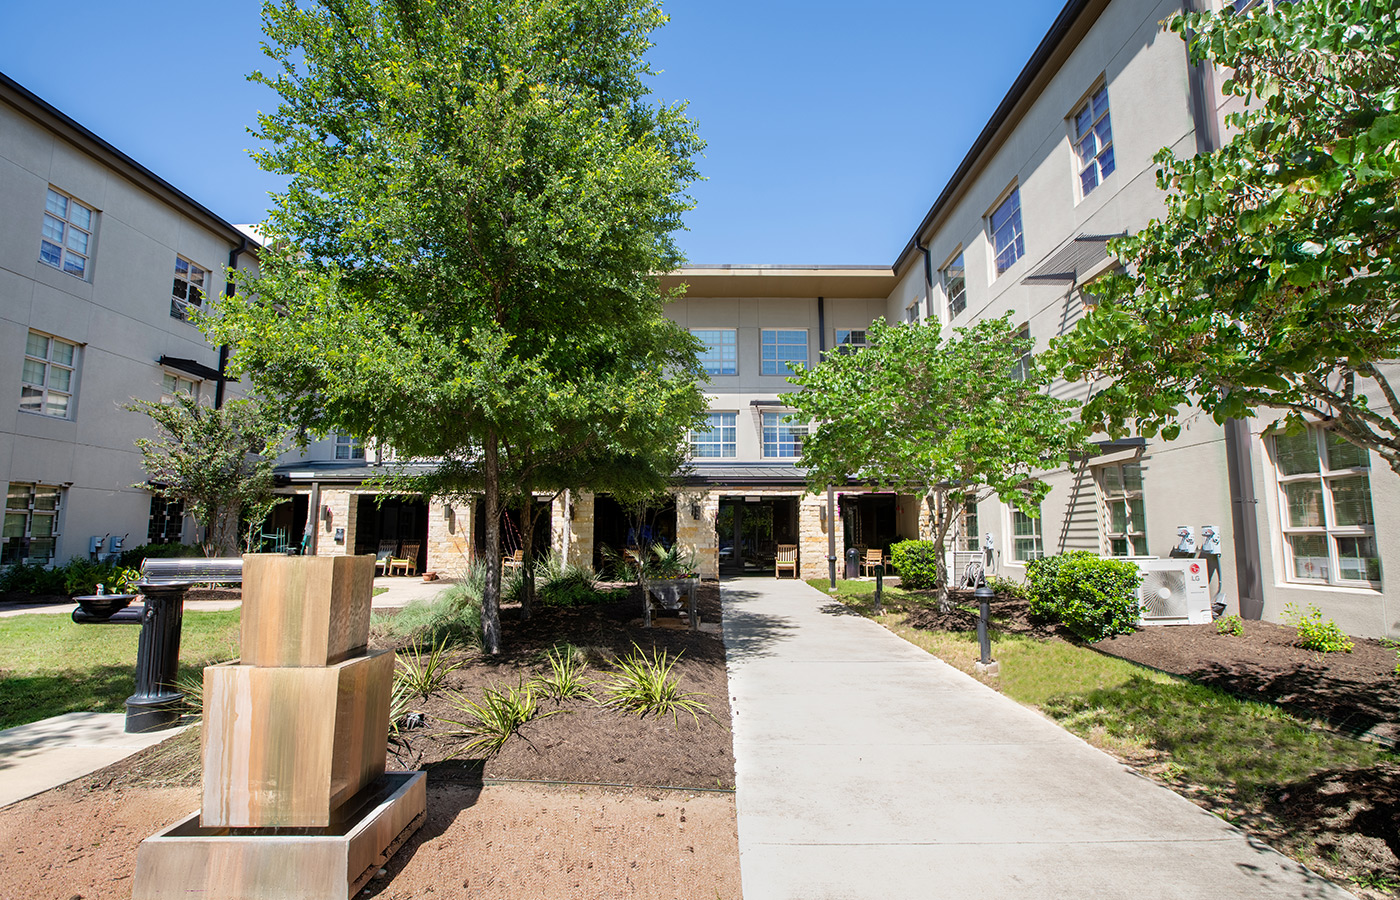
(1273, 281)
(937, 415)
(466, 257)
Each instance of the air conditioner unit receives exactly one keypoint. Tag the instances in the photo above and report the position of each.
(1174, 592)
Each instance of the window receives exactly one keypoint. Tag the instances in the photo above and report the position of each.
(954, 276)
(911, 312)
(718, 440)
(1022, 370)
(1025, 536)
(971, 532)
(781, 348)
(49, 377)
(66, 235)
(782, 439)
(1325, 505)
(348, 447)
(174, 384)
(31, 524)
(1093, 141)
(167, 522)
(1124, 522)
(1007, 241)
(849, 340)
(188, 291)
(721, 353)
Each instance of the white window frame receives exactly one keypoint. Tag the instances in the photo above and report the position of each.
(955, 299)
(185, 285)
(25, 504)
(1013, 228)
(1035, 537)
(1327, 478)
(1093, 162)
(845, 340)
(779, 365)
(172, 383)
(43, 391)
(62, 228)
(787, 437)
(971, 533)
(731, 345)
(914, 312)
(353, 447)
(1115, 492)
(722, 435)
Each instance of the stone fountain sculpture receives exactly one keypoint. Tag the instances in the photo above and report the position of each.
(297, 804)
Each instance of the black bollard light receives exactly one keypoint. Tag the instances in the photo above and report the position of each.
(984, 597)
(879, 590)
(156, 703)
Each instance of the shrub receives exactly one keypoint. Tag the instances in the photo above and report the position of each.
(1007, 587)
(1093, 597)
(33, 579)
(82, 576)
(567, 664)
(421, 671)
(500, 714)
(132, 558)
(643, 684)
(1230, 625)
(917, 564)
(1316, 634)
(452, 617)
(564, 584)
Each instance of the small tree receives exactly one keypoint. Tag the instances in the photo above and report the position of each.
(1274, 279)
(936, 415)
(216, 461)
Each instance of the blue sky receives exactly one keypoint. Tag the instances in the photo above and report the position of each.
(831, 126)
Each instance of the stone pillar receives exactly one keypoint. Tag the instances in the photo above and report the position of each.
(342, 519)
(449, 536)
(580, 527)
(812, 530)
(697, 535)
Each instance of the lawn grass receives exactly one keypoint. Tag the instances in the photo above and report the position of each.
(49, 665)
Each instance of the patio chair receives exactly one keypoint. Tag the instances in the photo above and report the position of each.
(515, 561)
(786, 559)
(408, 562)
(873, 557)
(383, 555)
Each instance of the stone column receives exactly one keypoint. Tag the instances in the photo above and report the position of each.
(697, 535)
(342, 505)
(449, 536)
(812, 529)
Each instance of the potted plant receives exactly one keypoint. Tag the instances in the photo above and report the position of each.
(667, 575)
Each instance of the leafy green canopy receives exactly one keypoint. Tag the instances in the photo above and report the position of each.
(936, 414)
(1272, 280)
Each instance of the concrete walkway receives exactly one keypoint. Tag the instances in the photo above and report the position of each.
(868, 769)
(42, 755)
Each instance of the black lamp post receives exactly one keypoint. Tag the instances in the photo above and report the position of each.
(984, 597)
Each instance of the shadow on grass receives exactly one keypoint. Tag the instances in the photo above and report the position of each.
(30, 698)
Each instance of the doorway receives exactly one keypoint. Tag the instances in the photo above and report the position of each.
(750, 530)
(398, 519)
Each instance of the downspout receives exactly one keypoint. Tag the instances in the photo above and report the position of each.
(928, 276)
(830, 494)
(1244, 505)
(311, 536)
(228, 292)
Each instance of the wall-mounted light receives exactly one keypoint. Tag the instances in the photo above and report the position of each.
(326, 516)
(695, 511)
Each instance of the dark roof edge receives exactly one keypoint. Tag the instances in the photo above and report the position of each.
(49, 116)
(1059, 30)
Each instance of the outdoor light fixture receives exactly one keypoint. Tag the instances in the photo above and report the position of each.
(695, 510)
(326, 516)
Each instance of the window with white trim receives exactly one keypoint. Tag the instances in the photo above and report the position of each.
(50, 376)
(1026, 543)
(849, 340)
(781, 347)
(188, 290)
(1093, 141)
(349, 447)
(1004, 226)
(1022, 369)
(1123, 516)
(911, 312)
(954, 278)
(30, 533)
(718, 440)
(721, 353)
(1328, 524)
(67, 234)
(782, 439)
(971, 533)
(176, 384)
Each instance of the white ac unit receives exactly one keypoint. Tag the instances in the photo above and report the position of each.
(1174, 592)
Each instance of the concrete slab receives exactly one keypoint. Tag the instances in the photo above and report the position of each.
(867, 768)
(43, 755)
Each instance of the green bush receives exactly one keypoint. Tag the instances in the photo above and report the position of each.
(82, 576)
(1007, 587)
(452, 617)
(33, 579)
(1316, 634)
(1230, 625)
(917, 564)
(1093, 597)
(563, 584)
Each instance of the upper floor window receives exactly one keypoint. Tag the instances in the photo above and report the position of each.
(1125, 523)
(1093, 141)
(31, 524)
(721, 353)
(782, 439)
(188, 290)
(911, 312)
(1328, 524)
(781, 348)
(1005, 225)
(718, 439)
(1026, 542)
(174, 384)
(954, 277)
(349, 447)
(49, 377)
(849, 340)
(167, 521)
(67, 233)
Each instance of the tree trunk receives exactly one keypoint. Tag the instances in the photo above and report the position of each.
(527, 547)
(491, 599)
(938, 505)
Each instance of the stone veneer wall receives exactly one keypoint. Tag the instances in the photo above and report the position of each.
(342, 505)
(450, 537)
(580, 527)
(698, 536)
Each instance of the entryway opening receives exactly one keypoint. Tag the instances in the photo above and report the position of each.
(871, 521)
(398, 519)
(620, 529)
(512, 535)
(750, 530)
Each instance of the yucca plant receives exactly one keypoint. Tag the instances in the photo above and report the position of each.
(399, 706)
(501, 713)
(421, 671)
(643, 684)
(567, 664)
